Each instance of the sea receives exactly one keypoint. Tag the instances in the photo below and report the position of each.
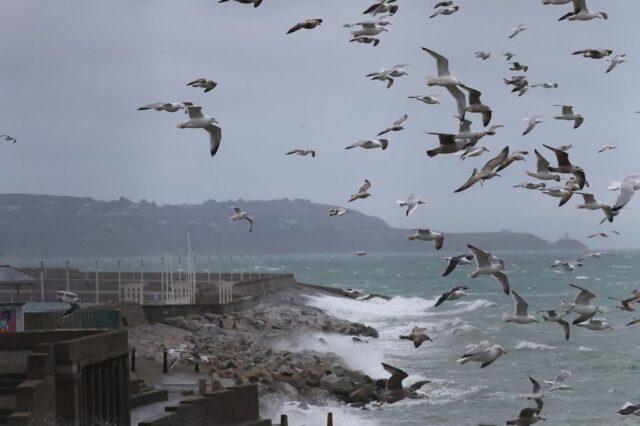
(605, 365)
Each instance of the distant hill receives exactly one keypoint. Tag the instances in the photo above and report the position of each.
(44, 226)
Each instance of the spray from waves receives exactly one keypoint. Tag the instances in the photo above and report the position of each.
(372, 310)
(448, 326)
(524, 344)
(469, 307)
(311, 415)
(357, 356)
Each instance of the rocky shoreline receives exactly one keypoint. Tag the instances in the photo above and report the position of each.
(240, 349)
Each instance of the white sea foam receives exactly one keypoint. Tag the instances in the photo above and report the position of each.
(462, 307)
(357, 356)
(524, 344)
(582, 277)
(373, 309)
(311, 415)
(586, 349)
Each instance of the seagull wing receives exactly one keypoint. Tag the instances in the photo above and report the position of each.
(194, 112)
(627, 189)
(473, 179)
(441, 61)
(561, 156)
(401, 120)
(482, 258)
(521, 305)
(565, 326)
(536, 385)
(461, 100)
(503, 280)
(584, 296)
(365, 187)
(397, 376)
(497, 161)
(543, 164)
(215, 136)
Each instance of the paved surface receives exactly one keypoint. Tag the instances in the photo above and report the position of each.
(182, 378)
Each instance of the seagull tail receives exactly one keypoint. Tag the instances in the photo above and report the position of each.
(432, 152)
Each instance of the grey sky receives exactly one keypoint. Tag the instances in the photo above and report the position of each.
(74, 72)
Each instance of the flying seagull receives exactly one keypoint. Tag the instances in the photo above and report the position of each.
(511, 158)
(552, 316)
(582, 13)
(8, 138)
(517, 66)
(428, 235)
(389, 74)
(593, 53)
(486, 172)
(427, 99)
(476, 105)
(542, 171)
(594, 324)
(449, 10)
(517, 30)
(602, 234)
(483, 352)
(302, 152)
(446, 80)
(307, 24)
(394, 391)
(199, 121)
(396, 126)
(569, 115)
(70, 298)
(453, 294)
(255, 3)
(546, 85)
(338, 212)
(410, 203)
(531, 185)
(581, 305)
(366, 40)
(203, 83)
(628, 187)
(486, 267)
(520, 316)
(448, 145)
(531, 123)
(558, 382)
(362, 192)
(617, 59)
(454, 261)
(565, 166)
(166, 106)
(417, 336)
(382, 6)
(241, 215)
(483, 55)
(370, 144)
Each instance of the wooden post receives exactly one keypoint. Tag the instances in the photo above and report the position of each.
(97, 285)
(202, 386)
(41, 281)
(141, 282)
(165, 366)
(284, 420)
(119, 282)
(133, 360)
(67, 269)
(330, 419)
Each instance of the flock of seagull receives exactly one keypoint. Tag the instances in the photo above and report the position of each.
(464, 143)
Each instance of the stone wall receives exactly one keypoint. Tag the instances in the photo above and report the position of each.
(236, 405)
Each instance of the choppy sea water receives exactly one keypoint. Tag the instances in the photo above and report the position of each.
(605, 364)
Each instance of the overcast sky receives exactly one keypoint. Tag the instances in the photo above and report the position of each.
(74, 72)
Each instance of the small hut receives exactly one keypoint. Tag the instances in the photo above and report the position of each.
(15, 284)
